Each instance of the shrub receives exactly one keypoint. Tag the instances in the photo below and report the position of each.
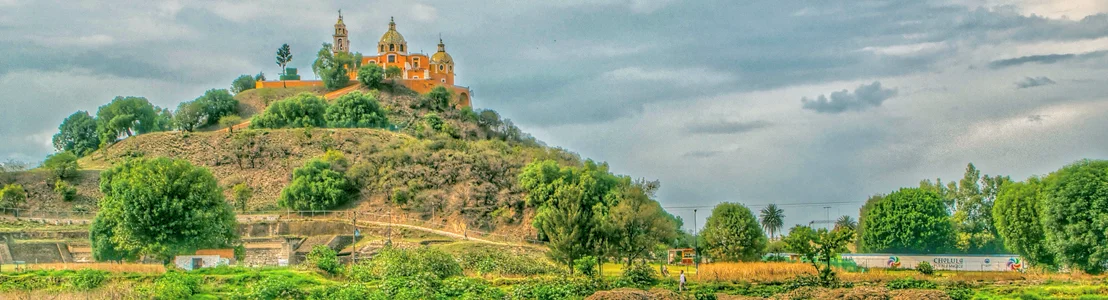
(371, 75)
(925, 268)
(229, 122)
(87, 279)
(244, 83)
(501, 263)
(910, 283)
(640, 275)
(276, 287)
(64, 190)
(585, 265)
(62, 164)
(176, 285)
(303, 110)
(12, 196)
(316, 186)
(554, 288)
(960, 291)
(399, 263)
(356, 110)
(469, 288)
(438, 99)
(325, 259)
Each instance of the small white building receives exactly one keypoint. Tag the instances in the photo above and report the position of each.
(193, 262)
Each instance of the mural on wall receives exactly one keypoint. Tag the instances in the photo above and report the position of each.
(940, 262)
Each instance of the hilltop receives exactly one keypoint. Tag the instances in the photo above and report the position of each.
(471, 178)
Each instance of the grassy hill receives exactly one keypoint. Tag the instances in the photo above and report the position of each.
(469, 177)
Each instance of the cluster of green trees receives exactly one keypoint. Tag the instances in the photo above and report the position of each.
(586, 211)
(353, 110)
(81, 133)
(206, 110)
(1053, 221)
(1058, 220)
(159, 208)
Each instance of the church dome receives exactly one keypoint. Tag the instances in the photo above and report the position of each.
(441, 57)
(392, 36)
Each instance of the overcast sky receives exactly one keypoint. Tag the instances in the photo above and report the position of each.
(789, 102)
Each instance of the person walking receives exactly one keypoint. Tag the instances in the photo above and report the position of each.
(681, 286)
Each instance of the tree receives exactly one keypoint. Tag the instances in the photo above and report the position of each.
(566, 200)
(284, 56)
(163, 121)
(772, 219)
(639, 223)
(973, 222)
(243, 83)
(1075, 212)
(910, 220)
(77, 134)
(125, 115)
(217, 103)
(242, 194)
(438, 99)
(303, 110)
(160, 207)
(393, 72)
(259, 77)
(190, 115)
(356, 110)
(229, 122)
(12, 196)
(371, 75)
(333, 68)
(846, 222)
(1018, 216)
(316, 186)
(62, 164)
(732, 234)
(819, 247)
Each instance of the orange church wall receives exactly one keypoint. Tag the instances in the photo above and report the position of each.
(425, 86)
(287, 83)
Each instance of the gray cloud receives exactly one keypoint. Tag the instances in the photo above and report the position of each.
(590, 74)
(863, 97)
(1030, 82)
(725, 127)
(1044, 59)
(1036, 118)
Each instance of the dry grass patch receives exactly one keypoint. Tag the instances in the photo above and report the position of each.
(110, 267)
(754, 271)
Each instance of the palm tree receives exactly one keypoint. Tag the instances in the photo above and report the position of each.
(772, 219)
(847, 222)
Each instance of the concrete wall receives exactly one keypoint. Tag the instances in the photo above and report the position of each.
(185, 261)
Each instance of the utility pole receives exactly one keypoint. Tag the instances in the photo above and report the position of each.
(354, 248)
(696, 249)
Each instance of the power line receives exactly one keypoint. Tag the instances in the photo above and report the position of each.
(767, 204)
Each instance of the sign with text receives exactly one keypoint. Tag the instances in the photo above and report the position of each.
(939, 262)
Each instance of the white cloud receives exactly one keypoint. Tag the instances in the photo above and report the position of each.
(909, 49)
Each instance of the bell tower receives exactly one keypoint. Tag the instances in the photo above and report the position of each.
(341, 40)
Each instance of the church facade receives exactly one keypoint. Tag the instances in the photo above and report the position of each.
(419, 72)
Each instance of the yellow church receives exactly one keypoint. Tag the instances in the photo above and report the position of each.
(419, 72)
